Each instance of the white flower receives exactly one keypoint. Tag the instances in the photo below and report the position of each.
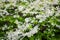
(58, 26)
(5, 0)
(27, 20)
(5, 27)
(20, 8)
(14, 35)
(33, 31)
(26, 11)
(16, 16)
(24, 0)
(38, 16)
(31, 8)
(3, 12)
(55, 2)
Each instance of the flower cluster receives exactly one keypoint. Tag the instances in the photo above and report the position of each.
(22, 18)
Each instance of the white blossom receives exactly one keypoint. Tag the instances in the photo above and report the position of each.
(33, 31)
(58, 26)
(27, 19)
(32, 8)
(16, 16)
(20, 8)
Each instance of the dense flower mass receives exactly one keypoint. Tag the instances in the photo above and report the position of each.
(20, 19)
